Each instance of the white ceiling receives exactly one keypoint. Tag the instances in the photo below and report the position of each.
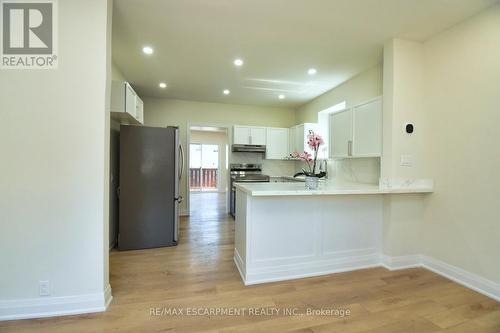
(196, 41)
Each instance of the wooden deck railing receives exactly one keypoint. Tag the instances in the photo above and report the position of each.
(202, 178)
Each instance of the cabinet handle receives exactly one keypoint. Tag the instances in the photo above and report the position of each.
(250, 139)
(349, 148)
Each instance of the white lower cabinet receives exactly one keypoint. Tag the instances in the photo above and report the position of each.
(277, 143)
(357, 131)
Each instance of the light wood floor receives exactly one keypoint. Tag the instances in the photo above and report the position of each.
(200, 273)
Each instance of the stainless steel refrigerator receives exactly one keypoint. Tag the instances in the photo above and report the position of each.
(151, 163)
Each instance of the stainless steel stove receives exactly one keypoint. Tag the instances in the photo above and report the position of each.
(244, 173)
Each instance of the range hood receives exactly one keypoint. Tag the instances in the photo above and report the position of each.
(249, 148)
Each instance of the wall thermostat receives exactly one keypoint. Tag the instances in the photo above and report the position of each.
(409, 128)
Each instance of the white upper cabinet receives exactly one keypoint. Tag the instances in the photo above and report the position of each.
(249, 135)
(357, 132)
(241, 135)
(340, 133)
(367, 129)
(130, 101)
(257, 135)
(139, 110)
(126, 106)
(277, 143)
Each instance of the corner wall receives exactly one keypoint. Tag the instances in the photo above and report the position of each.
(403, 95)
(462, 110)
(447, 86)
(54, 142)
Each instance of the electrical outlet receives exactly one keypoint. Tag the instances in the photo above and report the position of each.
(44, 288)
(406, 160)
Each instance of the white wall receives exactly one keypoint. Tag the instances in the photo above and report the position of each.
(54, 142)
(403, 83)
(163, 112)
(462, 110)
(403, 103)
(358, 89)
(448, 86)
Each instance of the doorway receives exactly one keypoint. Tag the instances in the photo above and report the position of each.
(204, 171)
(208, 171)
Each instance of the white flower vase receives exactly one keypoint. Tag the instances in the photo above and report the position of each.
(312, 182)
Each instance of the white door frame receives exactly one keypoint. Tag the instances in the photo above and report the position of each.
(229, 131)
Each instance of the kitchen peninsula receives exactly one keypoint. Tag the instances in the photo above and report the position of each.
(283, 231)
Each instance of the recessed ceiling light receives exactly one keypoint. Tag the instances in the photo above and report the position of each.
(162, 85)
(226, 92)
(281, 96)
(312, 71)
(238, 62)
(147, 50)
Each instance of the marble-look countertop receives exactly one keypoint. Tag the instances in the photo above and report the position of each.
(332, 188)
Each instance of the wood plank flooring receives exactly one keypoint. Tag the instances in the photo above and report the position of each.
(200, 273)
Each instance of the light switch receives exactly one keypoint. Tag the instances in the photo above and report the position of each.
(406, 160)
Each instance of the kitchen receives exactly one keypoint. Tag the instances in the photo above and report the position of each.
(328, 164)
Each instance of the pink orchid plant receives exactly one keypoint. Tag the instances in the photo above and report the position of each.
(314, 141)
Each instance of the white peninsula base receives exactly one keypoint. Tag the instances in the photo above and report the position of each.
(282, 235)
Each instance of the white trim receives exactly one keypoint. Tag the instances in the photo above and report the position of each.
(456, 274)
(463, 277)
(290, 272)
(55, 306)
(239, 264)
(228, 129)
(316, 268)
(402, 262)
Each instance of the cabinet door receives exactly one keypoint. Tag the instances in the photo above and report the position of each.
(299, 138)
(258, 135)
(367, 129)
(276, 143)
(241, 135)
(139, 110)
(340, 133)
(291, 139)
(130, 100)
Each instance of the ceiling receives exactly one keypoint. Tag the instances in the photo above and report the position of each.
(196, 41)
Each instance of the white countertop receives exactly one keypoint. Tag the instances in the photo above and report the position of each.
(331, 188)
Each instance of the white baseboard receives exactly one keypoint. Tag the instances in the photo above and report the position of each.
(55, 306)
(456, 274)
(290, 272)
(239, 264)
(316, 268)
(402, 262)
(463, 277)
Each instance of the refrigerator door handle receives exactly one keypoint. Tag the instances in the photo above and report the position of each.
(181, 151)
